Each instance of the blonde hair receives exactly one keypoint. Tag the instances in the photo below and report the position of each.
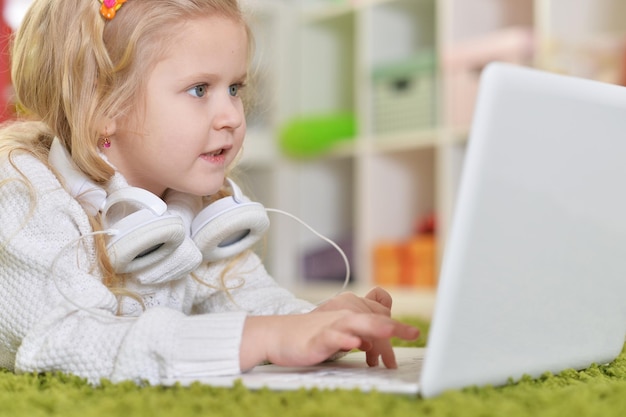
(72, 70)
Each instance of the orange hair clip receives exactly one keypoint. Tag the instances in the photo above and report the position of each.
(110, 7)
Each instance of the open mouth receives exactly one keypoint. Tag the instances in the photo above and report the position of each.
(215, 153)
(217, 156)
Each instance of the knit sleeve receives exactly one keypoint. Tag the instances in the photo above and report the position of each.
(243, 284)
(56, 315)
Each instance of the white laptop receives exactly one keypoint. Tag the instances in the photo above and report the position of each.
(534, 274)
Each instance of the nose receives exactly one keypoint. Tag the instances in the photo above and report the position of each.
(229, 112)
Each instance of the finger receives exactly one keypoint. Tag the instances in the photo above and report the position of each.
(366, 345)
(368, 326)
(374, 332)
(380, 296)
(387, 354)
(381, 349)
(371, 357)
(406, 332)
(374, 327)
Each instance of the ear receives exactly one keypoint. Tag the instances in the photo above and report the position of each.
(108, 127)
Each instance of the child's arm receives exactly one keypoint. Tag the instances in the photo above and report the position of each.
(57, 315)
(254, 291)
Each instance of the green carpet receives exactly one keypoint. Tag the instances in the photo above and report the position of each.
(598, 391)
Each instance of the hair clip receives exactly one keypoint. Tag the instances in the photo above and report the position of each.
(109, 7)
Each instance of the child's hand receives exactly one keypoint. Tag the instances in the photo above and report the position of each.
(377, 301)
(307, 339)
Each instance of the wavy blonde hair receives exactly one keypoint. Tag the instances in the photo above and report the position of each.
(72, 70)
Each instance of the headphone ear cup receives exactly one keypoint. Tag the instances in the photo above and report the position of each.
(144, 239)
(228, 227)
(145, 236)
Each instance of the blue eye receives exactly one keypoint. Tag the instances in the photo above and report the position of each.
(233, 90)
(198, 90)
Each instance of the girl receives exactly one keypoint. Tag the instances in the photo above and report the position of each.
(130, 115)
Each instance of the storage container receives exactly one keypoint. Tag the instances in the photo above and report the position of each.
(404, 94)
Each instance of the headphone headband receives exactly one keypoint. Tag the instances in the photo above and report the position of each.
(89, 194)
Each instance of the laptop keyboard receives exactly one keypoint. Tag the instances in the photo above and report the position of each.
(347, 376)
(374, 376)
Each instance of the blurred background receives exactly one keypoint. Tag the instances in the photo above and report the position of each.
(359, 117)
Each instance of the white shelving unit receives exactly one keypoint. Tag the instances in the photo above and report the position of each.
(320, 57)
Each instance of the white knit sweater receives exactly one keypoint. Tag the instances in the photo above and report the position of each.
(56, 315)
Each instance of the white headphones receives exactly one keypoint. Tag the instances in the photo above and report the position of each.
(145, 231)
(224, 228)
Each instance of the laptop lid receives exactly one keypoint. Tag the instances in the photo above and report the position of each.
(534, 274)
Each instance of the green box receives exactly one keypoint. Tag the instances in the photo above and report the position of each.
(405, 94)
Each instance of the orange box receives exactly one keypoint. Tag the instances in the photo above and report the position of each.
(411, 263)
(386, 264)
(418, 262)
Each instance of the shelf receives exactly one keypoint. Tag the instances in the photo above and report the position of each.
(376, 185)
(406, 141)
(345, 149)
(385, 143)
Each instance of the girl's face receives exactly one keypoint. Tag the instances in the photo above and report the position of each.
(191, 124)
